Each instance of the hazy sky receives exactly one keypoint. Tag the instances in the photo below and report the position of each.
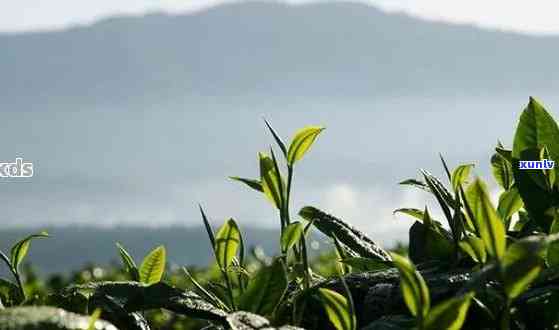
(536, 16)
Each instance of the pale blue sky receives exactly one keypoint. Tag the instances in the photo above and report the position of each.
(536, 16)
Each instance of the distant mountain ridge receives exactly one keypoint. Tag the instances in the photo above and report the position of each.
(267, 49)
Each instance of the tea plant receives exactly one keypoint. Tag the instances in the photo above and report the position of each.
(481, 267)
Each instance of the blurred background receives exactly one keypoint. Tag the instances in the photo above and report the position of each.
(135, 111)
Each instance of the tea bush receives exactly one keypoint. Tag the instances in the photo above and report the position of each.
(479, 267)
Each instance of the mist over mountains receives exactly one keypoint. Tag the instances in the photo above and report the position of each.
(133, 120)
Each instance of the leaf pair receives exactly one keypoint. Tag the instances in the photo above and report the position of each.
(152, 268)
(271, 182)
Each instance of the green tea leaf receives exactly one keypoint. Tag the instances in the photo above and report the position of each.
(486, 219)
(301, 143)
(271, 180)
(502, 171)
(413, 286)
(254, 184)
(460, 175)
(509, 203)
(208, 227)
(227, 241)
(338, 309)
(416, 183)
(416, 213)
(536, 129)
(522, 264)
(153, 266)
(291, 235)
(474, 247)
(20, 249)
(265, 290)
(128, 262)
(279, 141)
(449, 314)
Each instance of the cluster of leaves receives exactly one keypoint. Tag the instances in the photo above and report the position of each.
(482, 267)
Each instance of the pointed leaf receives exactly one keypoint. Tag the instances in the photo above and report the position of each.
(227, 243)
(301, 143)
(254, 184)
(416, 213)
(413, 286)
(208, 227)
(291, 235)
(449, 314)
(279, 141)
(474, 247)
(536, 129)
(502, 171)
(153, 266)
(460, 175)
(271, 180)
(522, 264)
(20, 249)
(338, 310)
(486, 219)
(128, 262)
(509, 203)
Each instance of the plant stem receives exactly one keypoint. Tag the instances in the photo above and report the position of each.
(288, 191)
(307, 275)
(19, 284)
(229, 288)
(14, 272)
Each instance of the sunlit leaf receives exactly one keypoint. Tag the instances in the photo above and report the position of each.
(450, 314)
(509, 203)
(522, 264)
(128, 262)
(486, 219)
(338, 309)
(227, 241)
(536, 129)
(502, 171)
(301, 143)
(20, 249)
(416, 213)
(290, 236)
(153, 266)
(474, 247)
(413, 286)
(271, 180)
(460, 175)
(254, 184)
